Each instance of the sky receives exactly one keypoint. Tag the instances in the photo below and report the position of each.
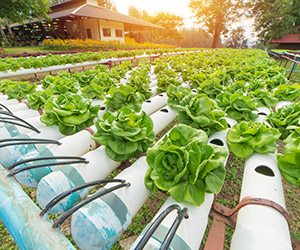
(177, 7)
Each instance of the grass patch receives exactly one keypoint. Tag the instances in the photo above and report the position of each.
(27, 49)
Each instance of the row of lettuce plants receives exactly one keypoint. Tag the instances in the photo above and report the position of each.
(225, 83)
(15, 64)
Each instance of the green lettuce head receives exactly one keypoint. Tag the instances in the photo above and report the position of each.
(245, 138)
(185, 166)
(198, 111)
(71, 112)
(124, 133)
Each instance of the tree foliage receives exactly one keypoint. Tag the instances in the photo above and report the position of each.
(274, 18)
(236, 39)
(216, 15)
(169, 21)
(20, 10)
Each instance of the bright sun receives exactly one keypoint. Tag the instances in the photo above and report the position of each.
(177, 7)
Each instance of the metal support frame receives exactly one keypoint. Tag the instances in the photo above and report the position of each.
(223, 216)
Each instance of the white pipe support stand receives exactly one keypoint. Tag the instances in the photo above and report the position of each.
(261, 227)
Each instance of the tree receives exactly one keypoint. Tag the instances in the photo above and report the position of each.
(236, 39)
(216, 15)
(195, 38)
(138, 13)
(18, 11)
(274, 18)
(170, 22)
(108, 4)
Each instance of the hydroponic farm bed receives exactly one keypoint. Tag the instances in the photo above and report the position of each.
(194, 135)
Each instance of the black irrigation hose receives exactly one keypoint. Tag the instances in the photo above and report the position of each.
(3, 106)
(59, 197)
(21, 125)
(44, 158)
(8, 118)
(44, 165)
(25, 141)
(155, 225)
(172, 231)
(20, 119)
(72, 210)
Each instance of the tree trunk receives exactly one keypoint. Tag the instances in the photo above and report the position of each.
(2, 32)
(215, 40)
(9, 29)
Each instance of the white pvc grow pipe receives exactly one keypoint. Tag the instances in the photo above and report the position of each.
(23, 72)
(21, 218)
(99, 224)
(191, 231)
(261, 227)
(17, 107)
(99, 167)
(74, 145)
(155, 103)
(280, 104)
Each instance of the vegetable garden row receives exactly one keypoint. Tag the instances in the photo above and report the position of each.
(227, 100)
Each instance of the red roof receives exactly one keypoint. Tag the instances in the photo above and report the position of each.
(288, 38)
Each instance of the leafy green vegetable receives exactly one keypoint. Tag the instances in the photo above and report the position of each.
(196, 79)
(185, 166)
(211, 87)
(70, 112)
(163, 81)
(140, 81)
(198, 111)
(287, 93)
(38, 99)
(20, 90)
(245, 138)
(124, 134)
(176, 94)
(85, 78)
(64, 85)
(289, 166)
(93, 90)
(263, 98)
(237, 106)
(285, 119)
(123, 96)
(4, 84)
(237, 86)
(104, 80)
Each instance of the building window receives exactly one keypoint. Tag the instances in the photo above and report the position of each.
(119, 33)
(106, 31)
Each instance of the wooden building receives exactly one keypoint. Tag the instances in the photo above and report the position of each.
(288, 41)
(80, 19)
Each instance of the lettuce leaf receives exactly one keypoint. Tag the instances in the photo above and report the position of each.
(70, 112)
(245, 138)
(185, 166)
(124, 133)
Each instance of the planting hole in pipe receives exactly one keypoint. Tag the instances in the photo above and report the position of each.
(102, 108)
(217, 142)
(262, 113)
(229, 126)
(264, 170)
(164, 110)
(149, 101)
(160, 95)
(193, 90)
